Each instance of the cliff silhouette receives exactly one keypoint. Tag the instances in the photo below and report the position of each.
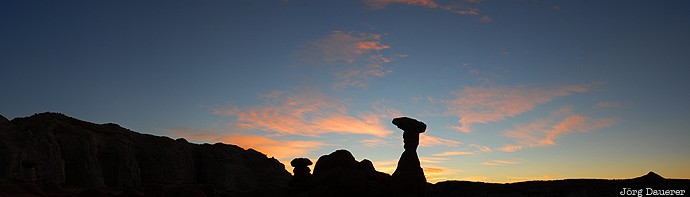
(63, 155)
(50, 154)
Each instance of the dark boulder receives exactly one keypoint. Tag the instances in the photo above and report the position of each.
(339, 174)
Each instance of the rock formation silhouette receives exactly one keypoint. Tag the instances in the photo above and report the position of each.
(301, 177)
(408, 178)
(54, 151)
(44, 152)
(339, 174)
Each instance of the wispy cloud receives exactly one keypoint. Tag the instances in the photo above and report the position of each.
(500, 162)
(510, 148)
(427, 140)
(453, 153)
(280, 149)
(374, 142)
(355, 57)
(490, 104)
(308, 113)
(467, 7)
(432, 159)
(481, 148)
(543, 132)
(468, 150)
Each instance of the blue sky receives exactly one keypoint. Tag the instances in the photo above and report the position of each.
(511, 90)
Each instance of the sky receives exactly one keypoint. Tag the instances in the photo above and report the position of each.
(510, 90)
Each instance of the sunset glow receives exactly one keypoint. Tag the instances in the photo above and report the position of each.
(510, 90)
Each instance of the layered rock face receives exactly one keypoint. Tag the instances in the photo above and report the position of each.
(54, 150)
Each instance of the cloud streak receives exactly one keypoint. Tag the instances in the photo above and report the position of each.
(453, 153)
(478, 149)
(355, 57)
(308, 114)
(544, 132)
(491, 104)
(427, 140)
(481, 148)
(436, 173)
(510, 148)
(500, 162)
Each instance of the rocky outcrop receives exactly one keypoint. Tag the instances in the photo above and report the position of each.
(54, 150)
(22, 144)
(339, 174)
(3, 120)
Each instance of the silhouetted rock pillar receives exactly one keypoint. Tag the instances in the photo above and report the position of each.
(408, 178)
(301, 173)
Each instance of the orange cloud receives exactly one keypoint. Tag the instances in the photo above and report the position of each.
(280, 149)
(543, 132)
(576, 123)
(309, 114)
(466, 8)
(500, 162)
(374, 142)
(435, 174)
(355, 56)
(431, 170)
(483, 105)
(368, 124)
(432, 159)
(572, 123)
(479, 149)
(371, 45)
(453, 153)
(510, 148)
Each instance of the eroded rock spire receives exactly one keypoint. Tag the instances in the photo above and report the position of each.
(408, 178)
